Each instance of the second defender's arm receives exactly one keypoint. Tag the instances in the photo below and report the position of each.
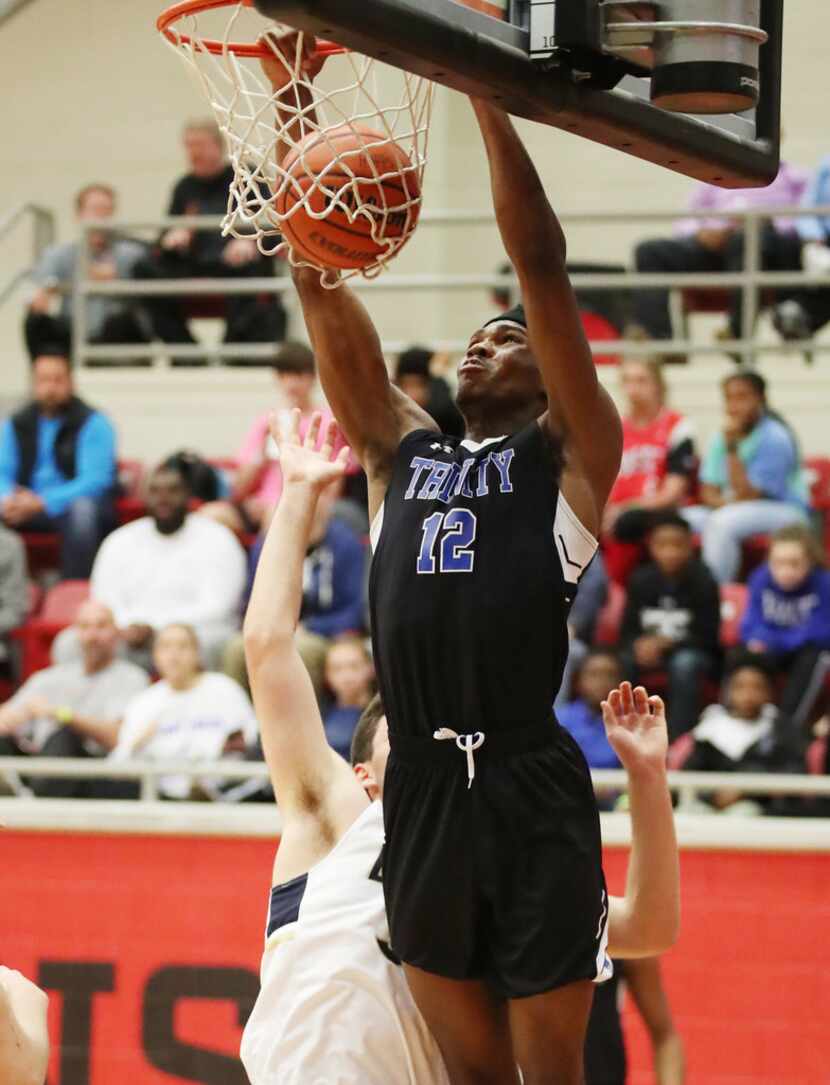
(308, 776)
(645, 922)
(580, 408)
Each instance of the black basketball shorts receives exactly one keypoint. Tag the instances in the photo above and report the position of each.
(501, 880)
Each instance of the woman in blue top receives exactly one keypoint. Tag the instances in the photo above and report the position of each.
(751, 481)
(788, 619)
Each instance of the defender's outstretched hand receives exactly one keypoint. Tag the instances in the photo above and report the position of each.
(287, 53)
(636, 727)
(301, 461)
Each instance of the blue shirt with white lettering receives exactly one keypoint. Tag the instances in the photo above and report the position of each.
(786, 621)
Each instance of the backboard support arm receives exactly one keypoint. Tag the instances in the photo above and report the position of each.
(483, 56)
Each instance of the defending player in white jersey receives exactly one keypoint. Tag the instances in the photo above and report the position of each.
(334, 1008)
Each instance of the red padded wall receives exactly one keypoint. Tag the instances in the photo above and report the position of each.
(174, 927)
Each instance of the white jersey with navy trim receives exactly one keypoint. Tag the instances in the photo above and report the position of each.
(334, 1007)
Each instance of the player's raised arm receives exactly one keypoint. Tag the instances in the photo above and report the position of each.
(645, 922)
(305, 771)
(580, 410)
(373, 414)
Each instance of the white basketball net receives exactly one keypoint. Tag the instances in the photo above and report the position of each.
(347, 92)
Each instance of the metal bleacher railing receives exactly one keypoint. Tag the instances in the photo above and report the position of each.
(686, 785)
(42, 223)
(751, 281)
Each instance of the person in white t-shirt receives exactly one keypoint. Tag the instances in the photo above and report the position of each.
(171, 566)
(190, 714)
(334, 1002)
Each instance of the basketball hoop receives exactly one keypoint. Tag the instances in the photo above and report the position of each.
(224, 42)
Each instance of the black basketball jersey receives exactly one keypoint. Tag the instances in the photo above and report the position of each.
(476, 560)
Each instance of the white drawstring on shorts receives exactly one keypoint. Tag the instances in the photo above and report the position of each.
(466, 743)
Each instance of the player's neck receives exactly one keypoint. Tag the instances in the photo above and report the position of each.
(481, 424)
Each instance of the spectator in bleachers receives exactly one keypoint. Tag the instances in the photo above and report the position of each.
(671, 621)
(110, 257)
(742, 735)
(658, 465)
(349, 679)
(717, 244)
(186, 253)
(13, 588)
(599, 673)
(582, 620)
(751, 478)
(58, 466)
(801, 316)
(414, 377)
(787, 620)
(73, 709)
(334, 592)
(258, 483)
(189, 715)
(171, 566)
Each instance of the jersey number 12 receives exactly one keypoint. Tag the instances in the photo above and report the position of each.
(456, 531)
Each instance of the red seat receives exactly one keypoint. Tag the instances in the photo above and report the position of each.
(130, 503)
(818, 477)
(57, 612)
(816, 756)
(43, 550)
(698, 299)
(598, 329)
(733, 600)
(609, 619)
(680, 751)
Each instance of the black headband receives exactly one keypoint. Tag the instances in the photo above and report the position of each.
(516, 315)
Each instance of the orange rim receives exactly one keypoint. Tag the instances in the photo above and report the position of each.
(167, 19)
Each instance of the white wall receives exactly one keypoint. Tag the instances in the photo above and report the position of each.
(91, 93)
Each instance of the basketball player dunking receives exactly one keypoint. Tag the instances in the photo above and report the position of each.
(335, 1007)
(493, 878)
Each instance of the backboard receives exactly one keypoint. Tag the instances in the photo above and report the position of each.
(495, 49)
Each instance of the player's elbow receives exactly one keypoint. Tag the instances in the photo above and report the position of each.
(661, 932)
(262, 642)
(635, 935)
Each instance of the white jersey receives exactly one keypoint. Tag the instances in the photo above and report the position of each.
(334, 1007)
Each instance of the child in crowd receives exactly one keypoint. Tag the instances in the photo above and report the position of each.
(672, 619)
(787, 620)
(599, 673)
(741, 735)
(349, 678)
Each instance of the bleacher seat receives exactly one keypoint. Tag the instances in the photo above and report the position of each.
(609, 619)
(818, 476)
(733, 600)
(57, 611)
(130, 502)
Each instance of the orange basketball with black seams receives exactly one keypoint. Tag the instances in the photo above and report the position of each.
(366, 170)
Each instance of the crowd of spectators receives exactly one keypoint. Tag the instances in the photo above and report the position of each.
(180, 252)
(168, 590)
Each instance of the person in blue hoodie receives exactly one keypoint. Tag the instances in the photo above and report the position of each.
(787, 619)
(334, 592)
(599, 672)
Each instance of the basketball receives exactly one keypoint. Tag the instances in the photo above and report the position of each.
(363, 169)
